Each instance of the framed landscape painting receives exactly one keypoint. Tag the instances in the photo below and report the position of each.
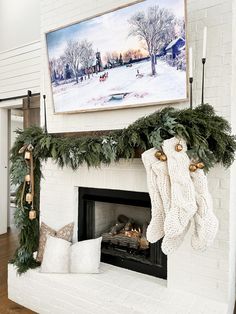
(130, 57)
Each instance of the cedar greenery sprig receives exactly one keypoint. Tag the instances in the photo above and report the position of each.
(208, 138)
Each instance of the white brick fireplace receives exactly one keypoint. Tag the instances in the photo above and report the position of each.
(197, 282)
(204, 273)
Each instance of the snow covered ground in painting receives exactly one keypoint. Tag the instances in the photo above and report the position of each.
(169, 84)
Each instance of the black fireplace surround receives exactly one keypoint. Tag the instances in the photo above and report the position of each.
(155, 265)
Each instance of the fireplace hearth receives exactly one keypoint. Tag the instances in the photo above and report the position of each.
(121, 218)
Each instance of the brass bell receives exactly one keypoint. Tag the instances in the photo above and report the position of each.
(192, 168)
(179, 147)
(27, 178)
(30, 147)
(27, 155)
(163, 157)
(158, 154)
(32, 214)
(29, 198)
(200, 165)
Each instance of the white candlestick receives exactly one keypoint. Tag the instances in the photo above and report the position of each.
(204, 42)
(190, 62)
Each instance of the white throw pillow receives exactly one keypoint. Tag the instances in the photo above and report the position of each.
(56, 256)
(85, 256)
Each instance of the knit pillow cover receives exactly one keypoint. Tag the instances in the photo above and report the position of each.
(64, 233)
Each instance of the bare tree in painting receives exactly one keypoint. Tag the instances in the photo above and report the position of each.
(115, 55)
(180, 24)
(111, 58)
(53, 69)
(107, 57)
(72, 56)
(153, 27)
(131, 54)
(87, 55)
(60, 62)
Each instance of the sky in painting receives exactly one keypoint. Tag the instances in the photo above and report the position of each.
(108, 32)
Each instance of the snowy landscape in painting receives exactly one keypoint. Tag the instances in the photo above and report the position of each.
(130, 57)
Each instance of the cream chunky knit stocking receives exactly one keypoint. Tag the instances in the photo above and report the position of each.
(183, 203)
(160, 194)
(169, 245)
(205, 222)
(155, 230)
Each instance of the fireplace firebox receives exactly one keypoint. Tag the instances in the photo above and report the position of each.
(121, 218)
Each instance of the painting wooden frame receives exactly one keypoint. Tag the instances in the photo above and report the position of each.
(109, 78)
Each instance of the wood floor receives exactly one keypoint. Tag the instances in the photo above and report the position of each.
(8, 244)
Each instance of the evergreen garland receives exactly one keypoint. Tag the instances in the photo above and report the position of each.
(208, 137)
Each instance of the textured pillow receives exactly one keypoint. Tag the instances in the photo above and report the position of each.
(56, 256)
(65, 233)
(85, 256)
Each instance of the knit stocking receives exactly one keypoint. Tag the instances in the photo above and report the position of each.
(205, 222)
(160, 194)
(183, 203)
(169, 245)
(155, 230)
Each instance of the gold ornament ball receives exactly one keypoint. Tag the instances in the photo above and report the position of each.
(29, 198)
(200, 165)
(32, 214)
(27, 178)
(192, 168)
(163, 157)
(27, 155)
(178, 147)
(158, 154)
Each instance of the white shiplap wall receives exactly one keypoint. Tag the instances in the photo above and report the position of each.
(20, 70)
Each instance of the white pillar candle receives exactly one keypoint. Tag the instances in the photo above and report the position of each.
(190, 62)
(204, 42)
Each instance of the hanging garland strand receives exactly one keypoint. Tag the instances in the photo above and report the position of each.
(208, 137)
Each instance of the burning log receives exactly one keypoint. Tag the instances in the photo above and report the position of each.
(144, 244)
(123, 219)
(127, 233)
(129, 225)
(118, 227)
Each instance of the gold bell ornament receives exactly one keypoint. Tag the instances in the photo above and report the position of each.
(32, 214)
(30, 147)
(158, 154)
(29, 198)
(200, 165)
(178, 147)
(192, 168)
(163, 157)
(27, 178)
(27, 155)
